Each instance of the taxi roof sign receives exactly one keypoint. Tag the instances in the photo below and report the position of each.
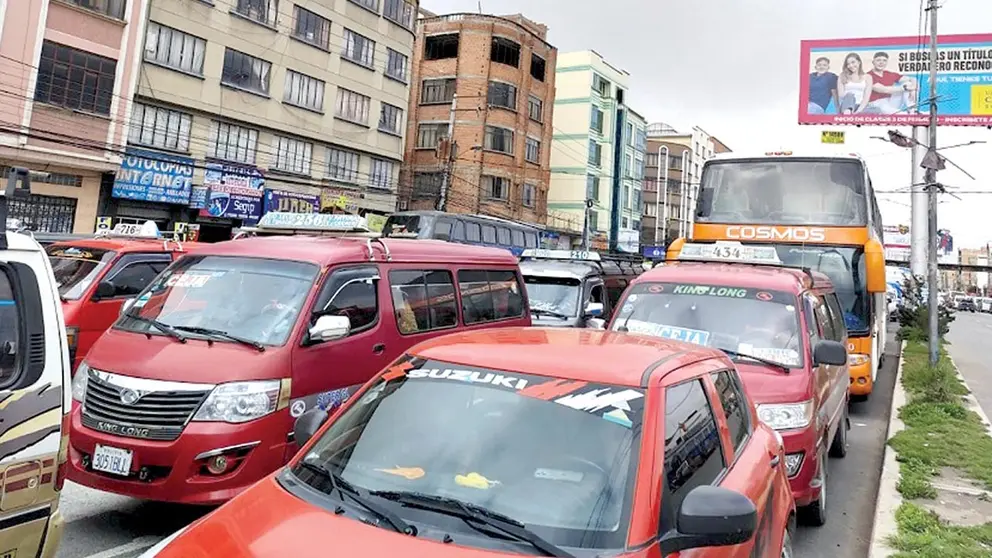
(146, 230)
(316, 222)
(730, 252)
(545, 254)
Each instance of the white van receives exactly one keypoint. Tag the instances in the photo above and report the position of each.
(34, 392)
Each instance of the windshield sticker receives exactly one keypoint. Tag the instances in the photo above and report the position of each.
(558, 475)
(554, 388)
(188, 280)
(330, 400)
(598, 399)
(475, 480)
(784, 356)
(715, 291)
(409, 473)
(763, 296)
(73, 253)
(617, 416)
(470, 376)
(656, 289)
(704, 290)
(687, 335)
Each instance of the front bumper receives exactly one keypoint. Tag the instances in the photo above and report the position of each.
(805, 442)
(861, 380)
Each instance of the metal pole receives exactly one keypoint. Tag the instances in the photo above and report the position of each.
(449, 157)
(918, 223)
(931, 181)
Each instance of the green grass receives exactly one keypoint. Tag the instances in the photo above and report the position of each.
(940, 432)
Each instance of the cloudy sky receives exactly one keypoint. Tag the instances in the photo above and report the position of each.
(732, 67)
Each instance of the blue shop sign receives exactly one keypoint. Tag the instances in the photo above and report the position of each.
(154, 177)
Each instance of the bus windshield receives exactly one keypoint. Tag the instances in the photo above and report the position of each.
(824, 192)
(845, 266)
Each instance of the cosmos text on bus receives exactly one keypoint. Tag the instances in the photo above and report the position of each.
(795, 234)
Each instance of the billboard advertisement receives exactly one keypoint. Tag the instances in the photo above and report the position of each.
(234, 192)
(154, 177)
(290, 202)
(896, 241)
(880, 81)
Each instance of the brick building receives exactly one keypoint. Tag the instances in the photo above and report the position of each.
(501, 69)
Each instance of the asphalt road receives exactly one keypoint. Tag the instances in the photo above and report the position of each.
(853, 481)
(968, 347)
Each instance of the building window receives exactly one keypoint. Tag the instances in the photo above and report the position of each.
(532, 151)
(595, 153)
(535, 109)
(396, 65)
(353, 107)
(637, 200)
(75, 79)
(399, 11)
(427, 184)
(245, 72)
(649, 210)
(293, 155)
(675, 163)
(342, 165)
(529, 198)
(638, 170)
(641, 142)
(358, 49)
(630, 134)
(110, 8)
(174, 49)
(596, 120)
(57, 178)
(368, 4)
(600, 85)
(594, 220)
(429, 134)
(538, 67)
(502, 95)
(650, 184)
(651, 159)
(233, 143)
(624, 223)
(160, 127)
(390, 118)
(592, 187)
(304, 91)
(496, 187)
(311, 28)
(436, 91)
(382, 174)
(505, 51)
(262, 11)
(439, 47)
(499, 139)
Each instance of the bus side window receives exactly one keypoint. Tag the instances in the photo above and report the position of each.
(488, 234)
(530, 240)
(473, 233)
(458, 233)
(504, 236)
(442, 230)
(518, 239)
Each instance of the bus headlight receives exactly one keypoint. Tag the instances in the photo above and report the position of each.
(786, 416)
(239, 402)
(857, 360)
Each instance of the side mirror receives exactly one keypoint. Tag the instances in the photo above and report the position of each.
(829, 352)
(711, 516)
(596, 323)
(329, 328)
(594, 309)
(127, 305)
(105, 289)
(307, 425)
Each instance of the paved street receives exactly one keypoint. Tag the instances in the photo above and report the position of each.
(969, 337)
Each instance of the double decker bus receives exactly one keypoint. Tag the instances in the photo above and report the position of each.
(820, 212)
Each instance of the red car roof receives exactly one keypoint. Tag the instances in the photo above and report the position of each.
(735, 275)
(571, 353)
(326, 250)
(125, 245)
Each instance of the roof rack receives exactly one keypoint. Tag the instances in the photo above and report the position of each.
(736, 253)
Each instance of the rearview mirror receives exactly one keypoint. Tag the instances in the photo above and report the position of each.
(105, 289)
(127, 306)
(829, 352)
(329, 328)
(711, 516)
(307, 425)
(594, 309)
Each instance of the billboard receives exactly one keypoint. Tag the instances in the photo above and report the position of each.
(154, 177)
(234, 192)
(838, 81)
(896, 241)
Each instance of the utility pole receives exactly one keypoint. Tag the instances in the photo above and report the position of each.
(932, 187)
(449, 156)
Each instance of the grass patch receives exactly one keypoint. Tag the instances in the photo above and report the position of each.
(924, 535)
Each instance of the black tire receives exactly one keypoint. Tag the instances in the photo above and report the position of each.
(839, 446)
(815, 514)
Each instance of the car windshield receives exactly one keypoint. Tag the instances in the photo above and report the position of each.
(254, 299)
(558, 456)
(753, 322)
(76, 268)
(559, 295)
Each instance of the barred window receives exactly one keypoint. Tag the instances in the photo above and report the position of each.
(75, 79)
(390, 118)
(535, 109)
(311, 28)
(245, 71)
(359, 48)
(233, 143)
(396, 64)
(502, 95)
(382, 174)
(353, 106)
(342, 165)
(304, 91)
(427, 184)
(496, 187)
(174, 49)
(532, 151)
(437, 91)
(293, 155)
(499, 139)
(429, 134)
(160, 127)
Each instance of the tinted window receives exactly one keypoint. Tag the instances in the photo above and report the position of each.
(518, 238)
(359, 302)
(504, 236)
(530, 240)
(458, 233)
(10, 328)
(489, 295)
(692, 447)
(489, 234)
(836, 316)
(734, 406)
(472, 232)
(442, 230)
(424, 300)
(134, 278)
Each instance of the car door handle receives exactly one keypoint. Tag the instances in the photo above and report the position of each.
(774, 461)
(379, 348)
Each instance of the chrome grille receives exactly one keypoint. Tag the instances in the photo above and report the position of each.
(156, 415)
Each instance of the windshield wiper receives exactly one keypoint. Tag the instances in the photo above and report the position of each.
(345, 488)
(735, 354)
(471, 512)
(216, 333)
(163, 327)
(549, 313)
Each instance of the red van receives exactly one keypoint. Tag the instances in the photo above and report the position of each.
(785, 330)
(96, 275)
(191, 396)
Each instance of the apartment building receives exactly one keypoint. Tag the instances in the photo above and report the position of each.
(68, 70)
(594, 149)
(480, 117)
(245, 106)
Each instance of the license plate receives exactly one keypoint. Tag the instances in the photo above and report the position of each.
(112, 460)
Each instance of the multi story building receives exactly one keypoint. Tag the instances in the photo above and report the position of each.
(480, 125)
(68, 69)
(248, 105)
(631, 185)
(596, 134)
(673, 169)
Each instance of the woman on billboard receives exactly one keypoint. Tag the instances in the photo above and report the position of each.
(854, 85)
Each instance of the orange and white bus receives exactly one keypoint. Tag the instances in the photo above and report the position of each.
(820, 212)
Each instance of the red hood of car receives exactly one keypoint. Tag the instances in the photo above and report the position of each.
(768, 384)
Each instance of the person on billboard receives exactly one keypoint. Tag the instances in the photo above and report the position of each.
(890, 91)
(854, 85)
(822, 88)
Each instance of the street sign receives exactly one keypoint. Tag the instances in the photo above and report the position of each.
(830, 136)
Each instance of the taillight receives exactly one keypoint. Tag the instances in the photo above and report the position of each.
(62, 464)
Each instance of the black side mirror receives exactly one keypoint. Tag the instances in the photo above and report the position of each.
(307, 425)
(711, 516)
(829, 352)
(105, 289)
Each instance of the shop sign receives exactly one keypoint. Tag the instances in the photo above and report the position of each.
(339, 199)
(375, 221)
(234, 192)
(154, 177)
(198, 197)
(291, 202)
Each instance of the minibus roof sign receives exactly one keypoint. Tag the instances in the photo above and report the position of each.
(313, 222)
(731, 252)
(544, 254)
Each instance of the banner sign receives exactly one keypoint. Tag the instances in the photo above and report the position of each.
(881, 82)
(198, 197)
(291, 202)
(154, 177)
(235, 192)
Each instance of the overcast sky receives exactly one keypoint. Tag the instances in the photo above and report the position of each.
(732, 68)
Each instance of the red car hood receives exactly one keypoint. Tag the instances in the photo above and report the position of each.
(768, 384)
(165, 358)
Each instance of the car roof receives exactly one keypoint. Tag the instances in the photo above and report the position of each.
(128, 245)
(738, 275)
(585, 355)
(324, 250)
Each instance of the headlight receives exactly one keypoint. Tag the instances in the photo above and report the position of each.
(238, 402)
(792, 463)
(160, 545)
(79, 381)
(786, 416)
(856, 360)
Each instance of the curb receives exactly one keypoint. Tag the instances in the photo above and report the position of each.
(888, 499)
(970, 400)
